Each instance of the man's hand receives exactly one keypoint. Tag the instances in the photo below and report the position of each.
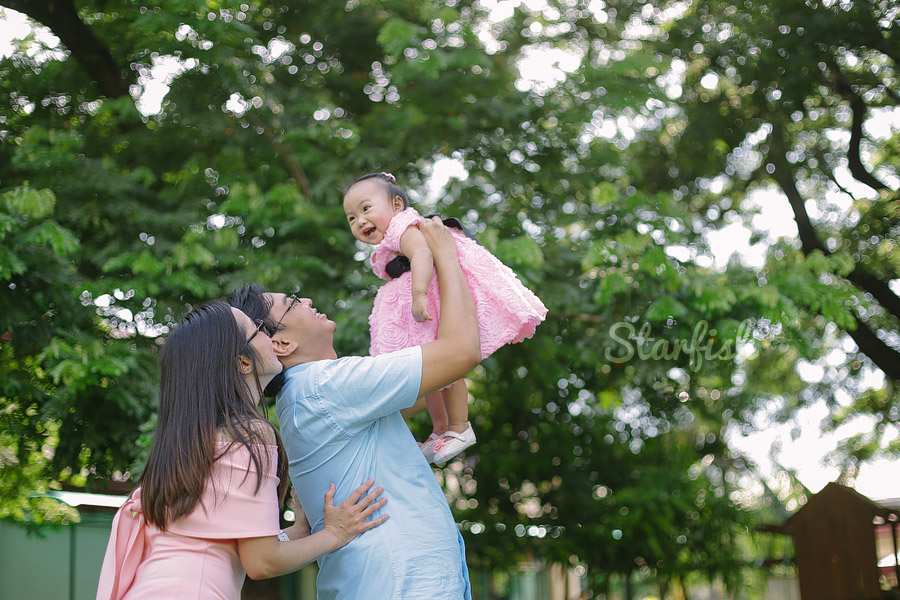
(439, 240)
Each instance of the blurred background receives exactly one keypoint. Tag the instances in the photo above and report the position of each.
(703, 193)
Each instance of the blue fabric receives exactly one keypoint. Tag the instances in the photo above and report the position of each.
(340, 423)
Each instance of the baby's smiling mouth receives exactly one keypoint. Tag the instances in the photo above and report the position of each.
(368, 231)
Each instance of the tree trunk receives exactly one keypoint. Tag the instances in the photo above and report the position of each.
(663, 583)
(92, 54)
(684, 591)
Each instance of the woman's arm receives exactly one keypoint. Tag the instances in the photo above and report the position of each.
(421, 266)
(300, 528)
(265, 557)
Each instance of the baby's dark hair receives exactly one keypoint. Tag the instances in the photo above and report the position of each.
(389, 182)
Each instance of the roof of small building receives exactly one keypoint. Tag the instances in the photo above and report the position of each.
(836, 493)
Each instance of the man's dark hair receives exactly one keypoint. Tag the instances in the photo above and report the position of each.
(252, 300)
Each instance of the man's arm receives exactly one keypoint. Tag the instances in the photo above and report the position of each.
(457, 349)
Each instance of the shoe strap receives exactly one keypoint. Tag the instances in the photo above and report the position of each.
(455, 434)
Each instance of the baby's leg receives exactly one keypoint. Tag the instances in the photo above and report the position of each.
(460, 435)
(438, 411)
(456, 399)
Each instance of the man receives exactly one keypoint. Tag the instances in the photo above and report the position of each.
(341, 423)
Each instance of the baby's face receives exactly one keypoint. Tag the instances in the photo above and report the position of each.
(369, 210)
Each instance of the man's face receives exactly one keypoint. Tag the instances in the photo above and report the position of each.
(297, 321)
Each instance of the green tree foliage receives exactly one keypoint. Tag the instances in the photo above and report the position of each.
(64, 405)
(797, 101)
(602, 439)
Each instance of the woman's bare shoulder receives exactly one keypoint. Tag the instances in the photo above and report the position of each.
(261, 430)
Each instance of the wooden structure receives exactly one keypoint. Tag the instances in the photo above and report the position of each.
(887, 545)
(834, 544)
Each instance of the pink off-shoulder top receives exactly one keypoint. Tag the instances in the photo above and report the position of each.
(197, 556)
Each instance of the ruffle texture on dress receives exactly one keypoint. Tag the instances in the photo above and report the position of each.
(508, 312)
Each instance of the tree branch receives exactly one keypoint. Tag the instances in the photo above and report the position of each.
(883, 356)
(879, 289)
(890, 93)
(293, 167)
(833, 178)
(92, 54)
(785, 178)
(858, 107)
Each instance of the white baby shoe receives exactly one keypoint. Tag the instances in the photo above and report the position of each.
(428, 446)
(454, 443)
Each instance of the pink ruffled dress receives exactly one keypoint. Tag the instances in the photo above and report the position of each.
(508, 312)
(197, 556)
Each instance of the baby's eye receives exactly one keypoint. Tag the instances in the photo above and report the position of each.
(365, 208)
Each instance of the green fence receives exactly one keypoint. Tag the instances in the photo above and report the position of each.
(63, 563)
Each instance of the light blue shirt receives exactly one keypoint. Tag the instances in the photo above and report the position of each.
(341, 424)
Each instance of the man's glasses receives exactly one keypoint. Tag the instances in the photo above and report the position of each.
(294, 300)
(260, 326)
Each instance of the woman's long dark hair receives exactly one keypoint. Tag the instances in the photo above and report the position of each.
(202, 398)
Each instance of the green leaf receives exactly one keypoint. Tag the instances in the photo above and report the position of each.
(611, 284)
(604, 194)
(520, 253)
(842, 263)
(34, 203)
(717, 299)
(653, 259)
(664, 308)
(68, 372)
(397, 34)
(595, 255)
(10, 264)
(7, 224)
(146, 263)
(48, 233)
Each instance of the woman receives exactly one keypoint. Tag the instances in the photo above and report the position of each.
(205, 511)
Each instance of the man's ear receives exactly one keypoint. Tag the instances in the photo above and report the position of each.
(283, 347)
(244, 364)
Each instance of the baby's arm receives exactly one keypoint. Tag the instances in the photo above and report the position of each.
(421, 265)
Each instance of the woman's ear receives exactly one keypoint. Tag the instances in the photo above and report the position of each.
(244, 364)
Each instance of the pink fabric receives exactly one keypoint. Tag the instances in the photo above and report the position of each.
(124, 550)
(508, 312)
(197, 556)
